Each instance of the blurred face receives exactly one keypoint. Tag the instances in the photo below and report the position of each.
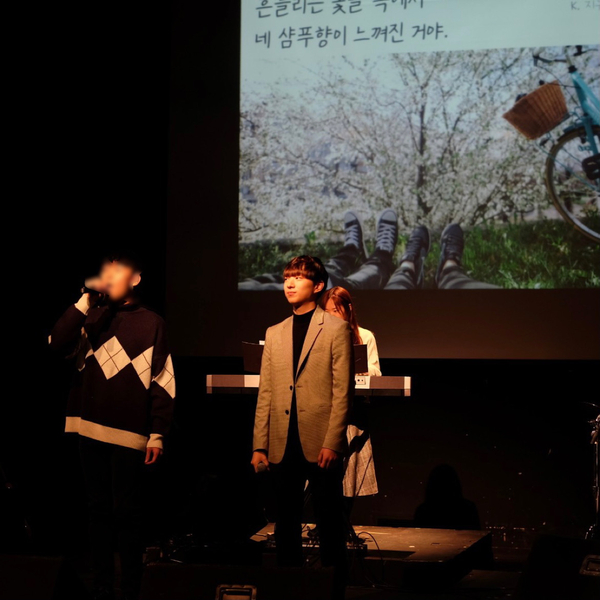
(118, 280)
(299, 289)
(332, 309)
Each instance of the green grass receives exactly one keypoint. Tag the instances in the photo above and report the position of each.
(265, 257)
(542, 254)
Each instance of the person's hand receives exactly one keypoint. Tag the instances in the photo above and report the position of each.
(152, 455)
(327, 458)
(257, 458)
(91, 299)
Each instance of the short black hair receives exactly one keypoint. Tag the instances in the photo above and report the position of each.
(309, 266)
(127, 258)
(133, 261)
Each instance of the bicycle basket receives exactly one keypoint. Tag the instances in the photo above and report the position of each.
(538, 112)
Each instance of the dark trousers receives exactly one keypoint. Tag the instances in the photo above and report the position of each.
(345, 262)
(455, 278)
(112, 477)
(346, 268)
(373, 274)
(289, 478)
(451, 278)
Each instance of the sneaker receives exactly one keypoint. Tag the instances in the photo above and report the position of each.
(387, 231)
(353, 232)
(416, 250)
(453, 244)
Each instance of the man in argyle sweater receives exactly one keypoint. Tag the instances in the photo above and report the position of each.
(121, 405)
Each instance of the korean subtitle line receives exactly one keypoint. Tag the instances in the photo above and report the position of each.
(284, 8)
(323, 36)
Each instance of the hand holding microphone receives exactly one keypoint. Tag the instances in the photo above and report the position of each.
(95, 290)
(260, 462)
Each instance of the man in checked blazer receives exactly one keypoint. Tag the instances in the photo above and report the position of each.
(305, 393)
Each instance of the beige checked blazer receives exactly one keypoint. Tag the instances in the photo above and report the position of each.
(324, 386)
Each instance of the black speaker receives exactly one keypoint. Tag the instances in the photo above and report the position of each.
(39, 578)
(561, 569)
(168, 581)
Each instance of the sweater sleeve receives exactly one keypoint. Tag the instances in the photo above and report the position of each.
(162, 388)
(373, 356)
(66, 333)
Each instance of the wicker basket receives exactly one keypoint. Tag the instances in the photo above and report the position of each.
(538, 112)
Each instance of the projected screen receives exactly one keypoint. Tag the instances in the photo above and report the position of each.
(421, 144)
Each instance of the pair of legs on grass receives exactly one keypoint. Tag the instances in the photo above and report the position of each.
(352, 269)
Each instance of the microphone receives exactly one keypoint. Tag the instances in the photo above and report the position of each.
(261, 467)
(87, 290)
(94, 293)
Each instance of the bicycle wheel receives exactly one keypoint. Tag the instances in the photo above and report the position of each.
(576, 197)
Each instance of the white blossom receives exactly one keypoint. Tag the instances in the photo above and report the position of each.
(421, 133)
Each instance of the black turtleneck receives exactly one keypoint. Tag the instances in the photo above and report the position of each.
(301, 323)
(300, 327)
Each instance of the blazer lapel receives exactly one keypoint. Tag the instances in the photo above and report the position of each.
(287, 343)
(314, 329)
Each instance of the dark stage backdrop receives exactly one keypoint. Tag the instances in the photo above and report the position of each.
(209, 317)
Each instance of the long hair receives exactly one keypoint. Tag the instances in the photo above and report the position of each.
(343, 302)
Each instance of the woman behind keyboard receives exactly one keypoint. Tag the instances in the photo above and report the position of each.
(359, 477)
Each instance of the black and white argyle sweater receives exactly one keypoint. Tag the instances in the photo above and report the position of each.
(124, 387)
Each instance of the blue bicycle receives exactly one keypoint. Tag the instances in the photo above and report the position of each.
(572, 170)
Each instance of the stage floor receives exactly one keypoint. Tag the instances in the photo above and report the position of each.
(410, 544)
(404, 556)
